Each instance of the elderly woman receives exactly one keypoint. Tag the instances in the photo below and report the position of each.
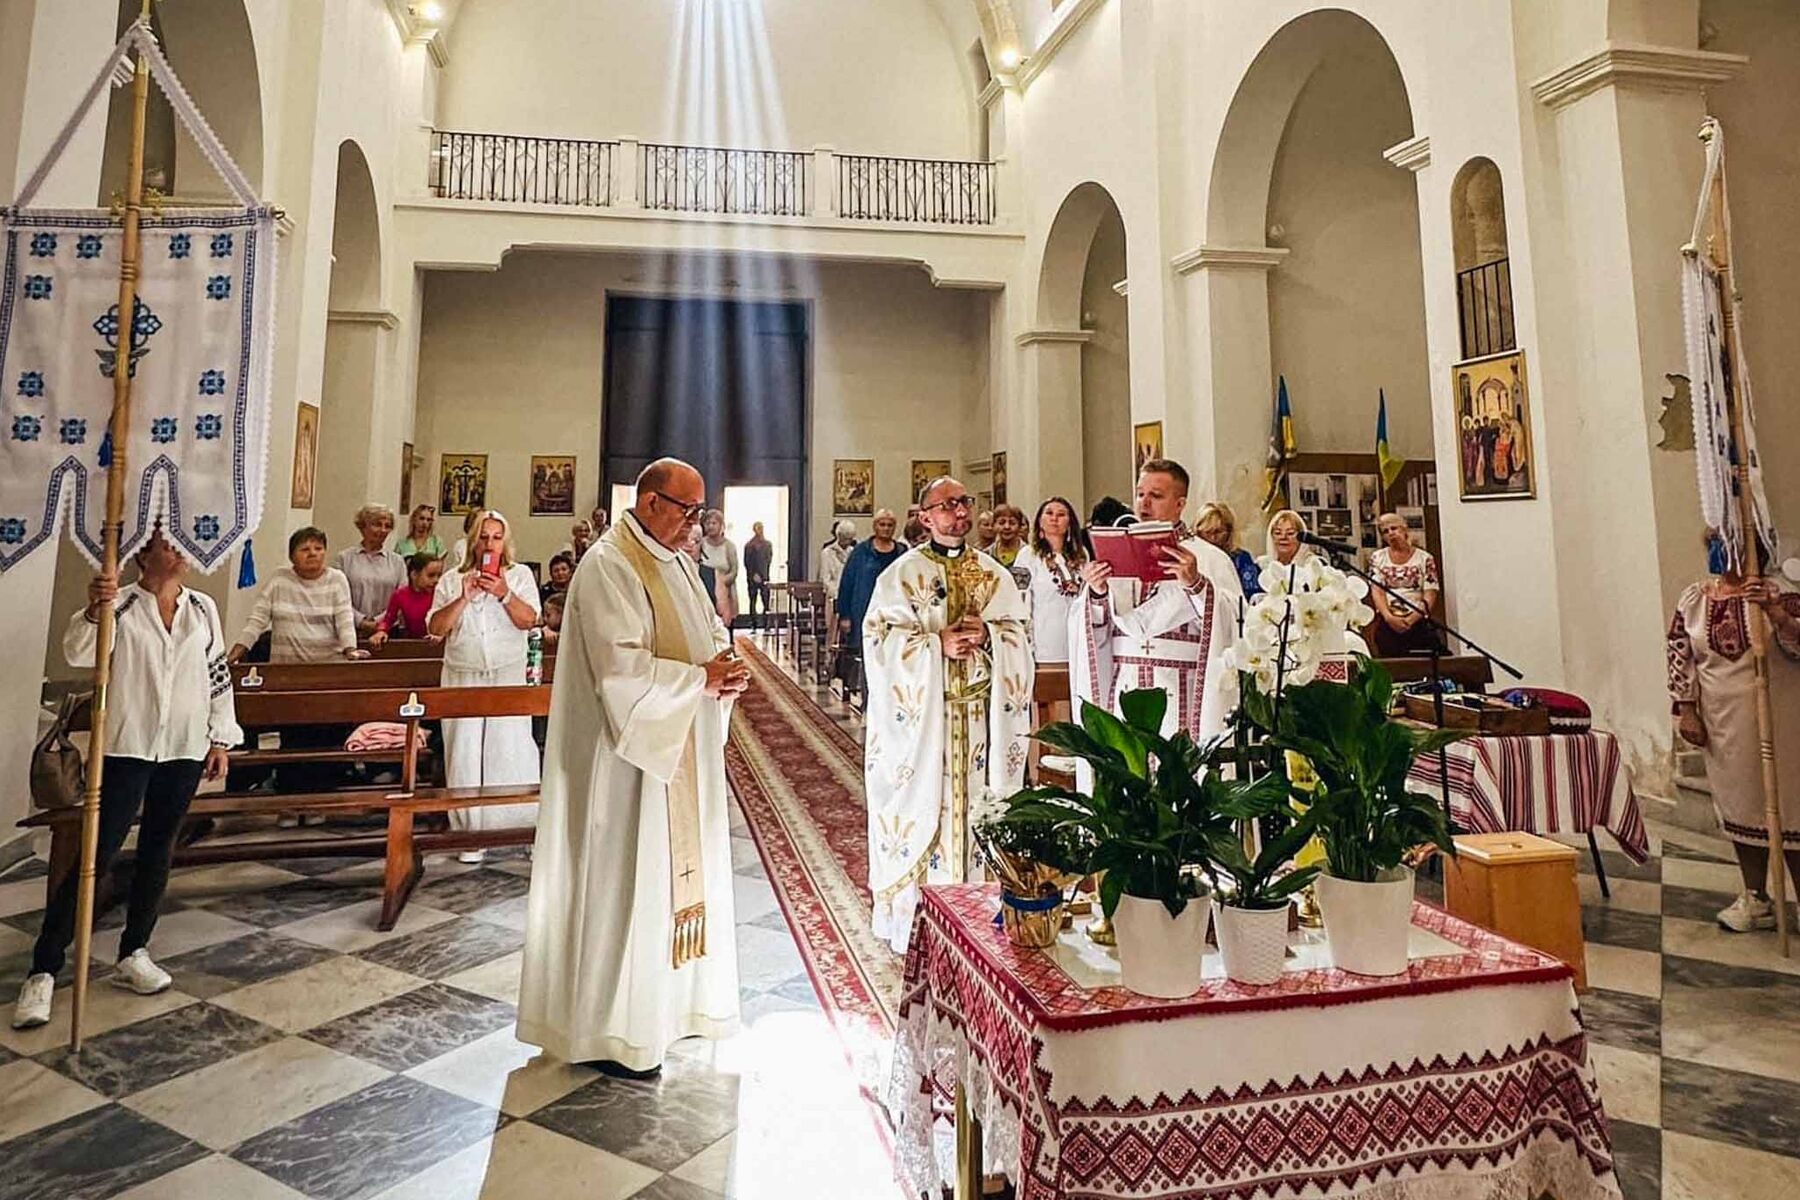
(420, 536)
(1400, 629)
(373, 570)
(1052, 563)
(1009, 534)
(483, 611)
(1285, 528)
(169, 723)
(721, 554)
(1712, 681)
(304, 608)
(1218, 524)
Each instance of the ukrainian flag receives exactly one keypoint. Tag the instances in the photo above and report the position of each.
(1282, 444)
(1389, 462)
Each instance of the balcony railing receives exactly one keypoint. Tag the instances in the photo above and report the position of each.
(764, 183)
(1484, 303)
(528, 170)
(930, 190)
(662, 177)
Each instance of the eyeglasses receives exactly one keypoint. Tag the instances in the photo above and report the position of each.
(965, 503)
(689, 512)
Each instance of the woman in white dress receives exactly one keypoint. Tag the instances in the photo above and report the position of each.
(1051, 565)
(720, 554)
(483, 611)
(1712, 682)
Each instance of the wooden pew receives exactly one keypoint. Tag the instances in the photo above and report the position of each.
(402, 845)
(372, 673)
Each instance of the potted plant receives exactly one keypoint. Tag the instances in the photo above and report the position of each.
(1035, 864)
(1370, 822)
(1250, 904)
(1147, 822)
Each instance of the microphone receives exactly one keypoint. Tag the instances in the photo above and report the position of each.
(1308, 538)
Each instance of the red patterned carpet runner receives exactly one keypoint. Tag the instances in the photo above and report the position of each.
(799, 780)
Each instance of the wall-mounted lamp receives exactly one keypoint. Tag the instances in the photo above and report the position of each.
(430, 11)
(1009, 58)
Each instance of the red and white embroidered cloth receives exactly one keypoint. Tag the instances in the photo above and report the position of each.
(1467, 1077)
(1554, 783)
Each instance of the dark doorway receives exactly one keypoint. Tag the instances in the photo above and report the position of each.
(720, 383)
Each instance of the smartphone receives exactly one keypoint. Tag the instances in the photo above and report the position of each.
(490, 563)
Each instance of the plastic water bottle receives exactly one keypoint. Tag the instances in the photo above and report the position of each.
(534, 657)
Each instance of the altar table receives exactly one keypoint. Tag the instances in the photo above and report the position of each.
(1544, 783)
(1466, 1076)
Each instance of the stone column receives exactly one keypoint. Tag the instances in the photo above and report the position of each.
(1046, 458)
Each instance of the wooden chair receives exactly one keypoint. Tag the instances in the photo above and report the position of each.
(1050, 702)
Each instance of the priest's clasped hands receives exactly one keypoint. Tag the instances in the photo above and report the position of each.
(727, 677)
(964, 638)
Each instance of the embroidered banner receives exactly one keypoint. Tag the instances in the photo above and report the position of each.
(200, 373)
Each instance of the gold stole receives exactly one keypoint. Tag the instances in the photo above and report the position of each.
(687, 881)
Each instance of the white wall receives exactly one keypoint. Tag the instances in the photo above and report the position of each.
(1105, 372)
(511, 366)
(1347, 305)
(865, 76)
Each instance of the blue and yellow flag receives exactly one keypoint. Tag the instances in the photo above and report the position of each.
(1388, 462)
(1282, 445)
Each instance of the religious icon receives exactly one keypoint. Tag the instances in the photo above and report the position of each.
(853, 487)
(1147, 443)
(306, 456)
(1493, 423)
(552, 485)
(462, 483)
(924, 470)
(999, 477)
(406, 476)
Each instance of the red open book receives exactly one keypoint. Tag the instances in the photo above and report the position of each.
(1135, 552)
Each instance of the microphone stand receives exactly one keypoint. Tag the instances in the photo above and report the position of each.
(1345, 563)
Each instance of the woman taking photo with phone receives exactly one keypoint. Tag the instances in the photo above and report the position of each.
(483, 611)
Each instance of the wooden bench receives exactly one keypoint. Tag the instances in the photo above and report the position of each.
(402, 845)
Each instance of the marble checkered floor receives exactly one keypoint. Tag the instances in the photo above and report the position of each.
(301, 1053)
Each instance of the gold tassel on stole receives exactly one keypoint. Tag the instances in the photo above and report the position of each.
(690, 935)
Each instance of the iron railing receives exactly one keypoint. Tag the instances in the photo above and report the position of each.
(1484, 304)
(767, 183)
(928, 190)
(528, 170)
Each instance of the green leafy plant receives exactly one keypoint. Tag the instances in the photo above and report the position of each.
(1147, 822)
(1258, 881)
(1368, 819)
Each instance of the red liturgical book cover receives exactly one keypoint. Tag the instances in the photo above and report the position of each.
(1136, 551)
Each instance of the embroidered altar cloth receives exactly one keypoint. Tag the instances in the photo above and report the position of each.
(1468, 1076)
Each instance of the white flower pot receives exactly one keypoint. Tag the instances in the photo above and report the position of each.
(1159, 955)
(1367, 924)
(1253, 942)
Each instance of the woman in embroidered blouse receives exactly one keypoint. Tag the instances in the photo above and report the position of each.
(1052, 563)
(1712, 682)
(483, 615)
(1400, 630)
(170, 723)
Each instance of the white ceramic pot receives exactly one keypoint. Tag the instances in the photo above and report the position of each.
(1159, 955)
(1367, 924)
(1252, 941)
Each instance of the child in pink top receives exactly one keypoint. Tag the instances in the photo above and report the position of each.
(411, 601)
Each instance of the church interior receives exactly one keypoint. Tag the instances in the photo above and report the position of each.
(1425, 284)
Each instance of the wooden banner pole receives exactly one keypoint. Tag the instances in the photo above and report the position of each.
(119, 427)
(1719, 250)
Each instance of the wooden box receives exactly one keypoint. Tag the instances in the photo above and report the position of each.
(1483, 714)
(1520, 886)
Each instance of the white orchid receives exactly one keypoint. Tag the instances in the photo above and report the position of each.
(1300, 619)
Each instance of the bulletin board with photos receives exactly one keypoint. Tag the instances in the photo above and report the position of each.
(1340, 497)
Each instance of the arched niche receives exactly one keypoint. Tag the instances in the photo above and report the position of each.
(1483, 265)
(355, 333)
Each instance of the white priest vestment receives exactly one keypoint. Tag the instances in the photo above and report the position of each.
(1170, 638)
(940, 734)
(598, 980)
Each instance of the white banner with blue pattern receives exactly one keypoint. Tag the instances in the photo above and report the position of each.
(196, 348)
(197, 446)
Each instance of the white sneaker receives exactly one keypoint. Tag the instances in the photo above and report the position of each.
(1748, 913)
(287, 820)
(33, 1008)
(472, 857)
(137, 972)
